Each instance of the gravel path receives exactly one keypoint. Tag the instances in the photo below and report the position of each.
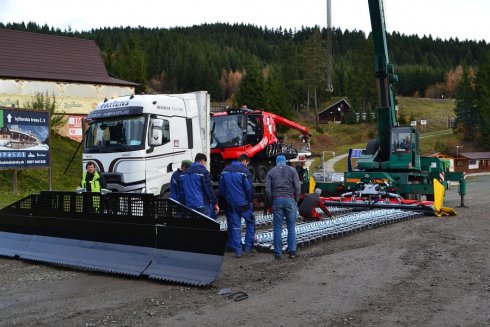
(422, 272)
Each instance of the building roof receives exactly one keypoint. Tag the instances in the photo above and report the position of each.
(35, 56)
(476, 155)
(341, 103)
(440, 155)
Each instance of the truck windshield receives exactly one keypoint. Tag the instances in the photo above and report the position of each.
(226, 131)
(115, 134)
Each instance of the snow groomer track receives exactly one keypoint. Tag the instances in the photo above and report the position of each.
(308, 233)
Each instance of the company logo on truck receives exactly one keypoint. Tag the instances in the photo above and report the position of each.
(170, 108)
(114, 104)
(115, 112)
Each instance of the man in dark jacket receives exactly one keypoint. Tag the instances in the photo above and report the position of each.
(235, 186)
(196, 191)
(175, 180)
(308, 204)
(282, 189)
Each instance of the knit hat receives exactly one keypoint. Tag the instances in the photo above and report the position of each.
(280, 159)
(318, 191)
(186, 163)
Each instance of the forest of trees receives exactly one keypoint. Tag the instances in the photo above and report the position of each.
(284, 71)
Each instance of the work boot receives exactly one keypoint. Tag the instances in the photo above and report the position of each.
(277, 256)
(292, 255)
(251, 251)
(238, 255)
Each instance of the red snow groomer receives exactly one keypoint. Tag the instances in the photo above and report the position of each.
(253, 132)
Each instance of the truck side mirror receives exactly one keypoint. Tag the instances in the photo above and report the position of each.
(156, 135)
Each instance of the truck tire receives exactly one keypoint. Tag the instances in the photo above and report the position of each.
(164, 193)
(251, 169)
(262, 173)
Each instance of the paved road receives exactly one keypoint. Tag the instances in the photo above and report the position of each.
(328, 165)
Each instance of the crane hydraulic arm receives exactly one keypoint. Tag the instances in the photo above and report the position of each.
(305, 131)
(385, 79)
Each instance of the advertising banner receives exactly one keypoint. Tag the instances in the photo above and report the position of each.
(24, 138)
(75, 131)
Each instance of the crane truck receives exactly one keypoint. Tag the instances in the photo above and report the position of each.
(393, 158)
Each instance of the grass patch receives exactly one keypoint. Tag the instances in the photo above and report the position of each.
(35, 180)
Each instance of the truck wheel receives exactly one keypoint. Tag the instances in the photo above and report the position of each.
(261, 173)
(251, 169)
(164, 194)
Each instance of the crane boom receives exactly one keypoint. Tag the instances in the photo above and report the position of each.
(385, 78)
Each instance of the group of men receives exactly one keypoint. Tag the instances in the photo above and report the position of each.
(191, 185)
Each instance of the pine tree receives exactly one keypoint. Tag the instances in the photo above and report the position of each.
(466, 105)
(251, 90)
(483, 101)
(315, 60)
(275, 93)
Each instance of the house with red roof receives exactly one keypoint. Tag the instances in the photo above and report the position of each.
(71, 69)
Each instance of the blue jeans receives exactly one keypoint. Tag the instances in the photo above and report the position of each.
(234, 216)
(284, 208)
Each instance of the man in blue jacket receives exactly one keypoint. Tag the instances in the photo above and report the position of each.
(235, 186)
(196, 191)
(175, 180)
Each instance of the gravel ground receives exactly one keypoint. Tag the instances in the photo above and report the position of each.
(422, 272)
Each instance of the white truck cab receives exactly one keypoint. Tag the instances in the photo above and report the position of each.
(138, 141)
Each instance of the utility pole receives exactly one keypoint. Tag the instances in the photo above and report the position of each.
(329, 48)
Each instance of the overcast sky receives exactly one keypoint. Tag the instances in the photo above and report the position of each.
(464, 19)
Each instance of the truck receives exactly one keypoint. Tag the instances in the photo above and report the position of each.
(137, 141)
(393, 158)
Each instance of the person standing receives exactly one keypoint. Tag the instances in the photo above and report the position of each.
(309, 203)
(235, 186)
(282, 189)
(92, 181)
(175, 180)
(196, 191)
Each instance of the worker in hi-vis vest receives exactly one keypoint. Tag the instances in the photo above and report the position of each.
(92, 181)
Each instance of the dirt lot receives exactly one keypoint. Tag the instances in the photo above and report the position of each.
(422, 272)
